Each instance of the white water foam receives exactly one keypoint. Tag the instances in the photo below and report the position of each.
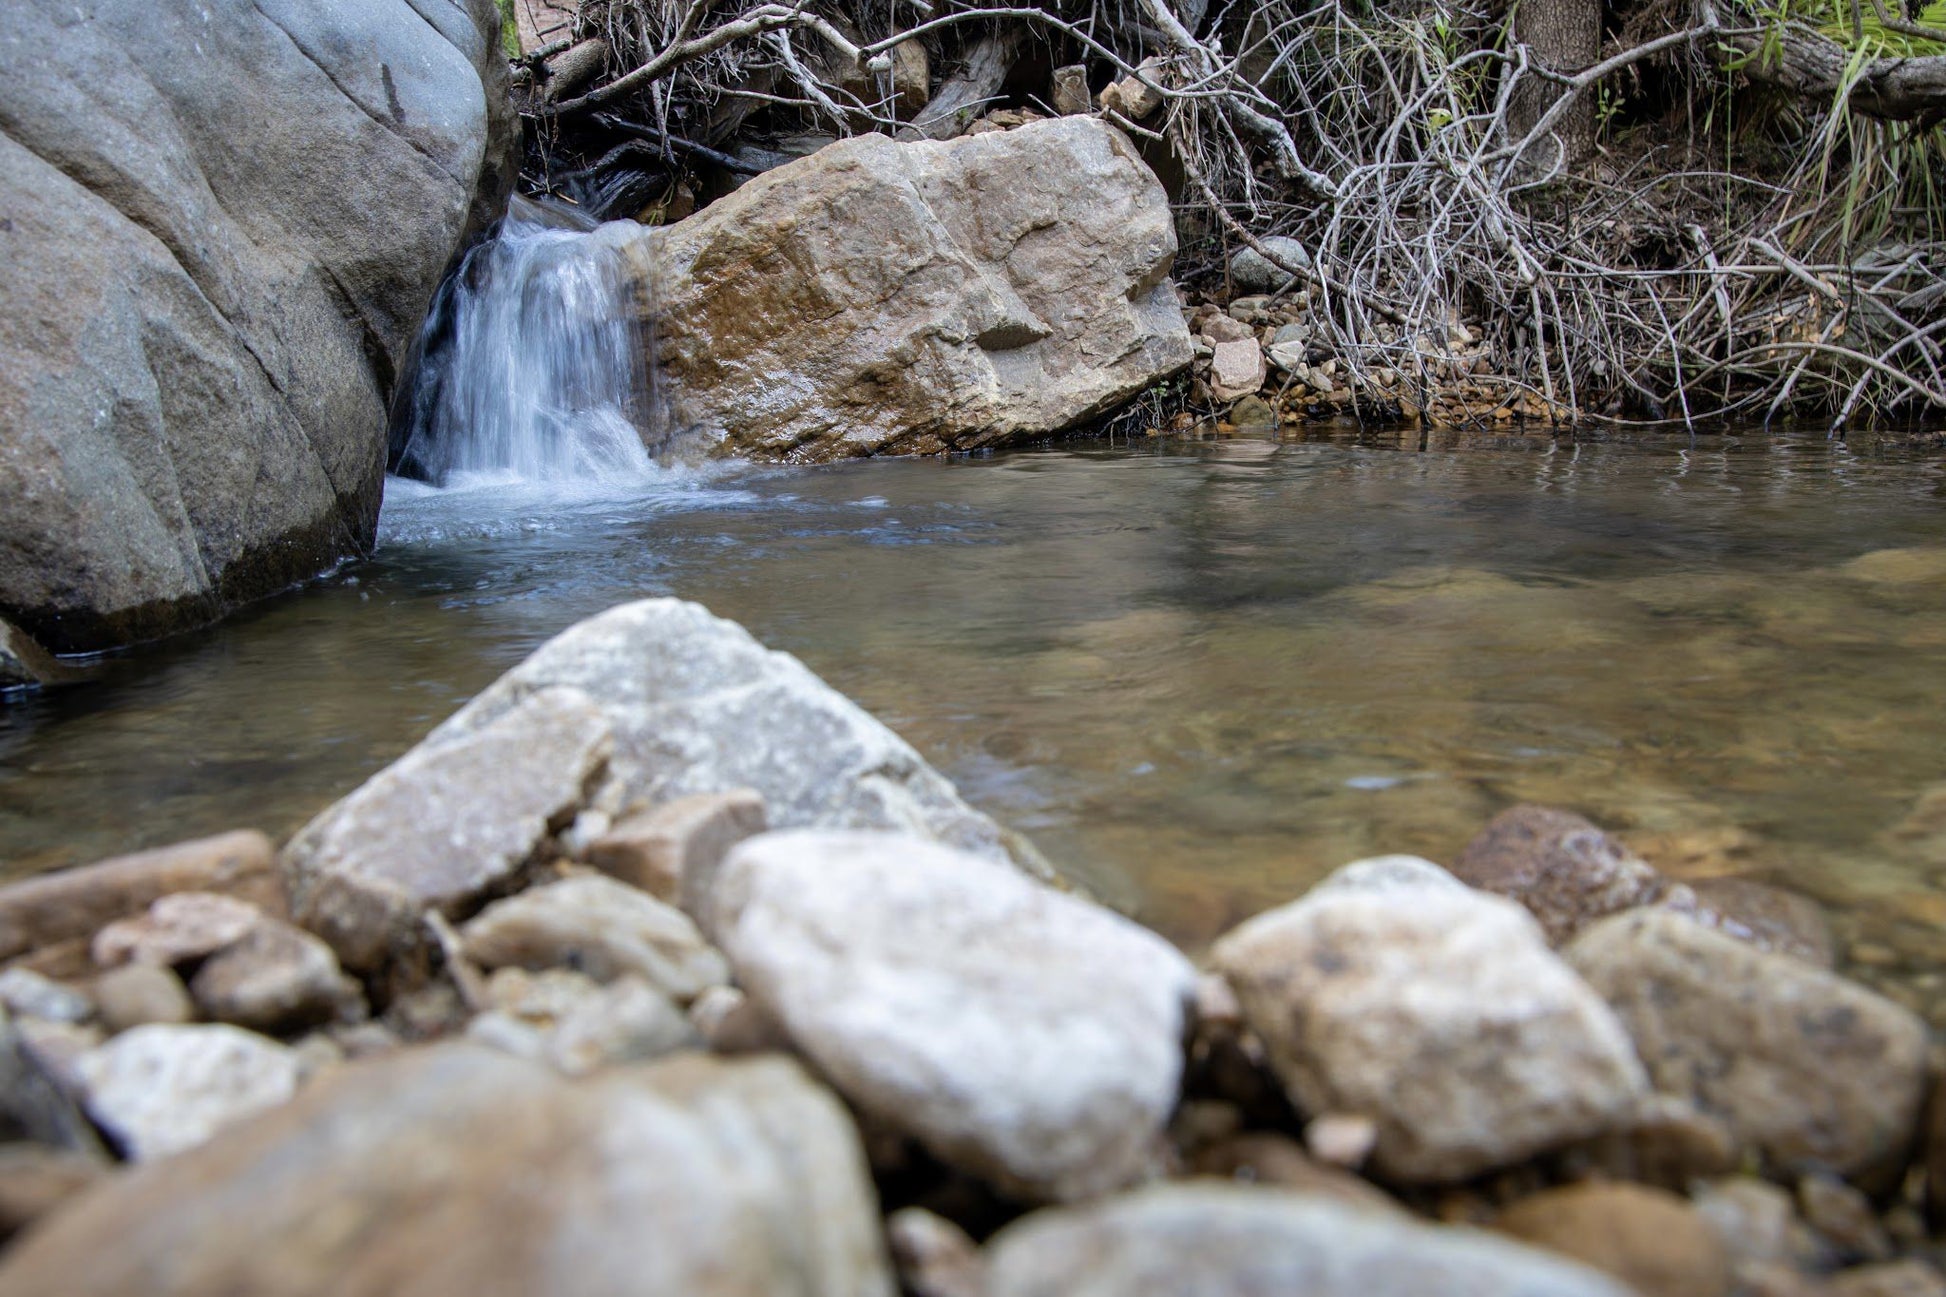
(532, 366)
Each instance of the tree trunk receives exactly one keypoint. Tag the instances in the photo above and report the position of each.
(1563, 36)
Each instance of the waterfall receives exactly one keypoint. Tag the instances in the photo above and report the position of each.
(531, 366)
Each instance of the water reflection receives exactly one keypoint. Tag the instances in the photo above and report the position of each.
(1198, 674)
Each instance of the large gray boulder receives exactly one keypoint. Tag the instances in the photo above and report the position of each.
(457, 1169)
(889, 298)
(1204, 1239)
(695, 704)
(641, 705)
(222, 222)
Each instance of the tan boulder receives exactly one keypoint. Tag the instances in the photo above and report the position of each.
(456, 1169)
(672, 851)
(881, 297)
(602, 928)
(1236, 369)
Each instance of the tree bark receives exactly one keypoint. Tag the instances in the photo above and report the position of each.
(1562, 36)
(1813, 66)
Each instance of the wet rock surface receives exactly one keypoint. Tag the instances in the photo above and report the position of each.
(459, 1169)
(1393, 991)
(891, 298)
(1808, 1070)
(1025, 1036)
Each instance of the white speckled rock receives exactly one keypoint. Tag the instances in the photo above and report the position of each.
(445, 825)
(601, 927)
(1218, 1240)
(1394, 992)
(1023, 1035)
(1806, 1068)
(697, 705)
(161, 1089)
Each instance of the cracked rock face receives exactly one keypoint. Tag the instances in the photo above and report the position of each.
(696, 705)
(221, 221)
(895, 298)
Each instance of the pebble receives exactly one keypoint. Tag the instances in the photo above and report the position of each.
(136, 994)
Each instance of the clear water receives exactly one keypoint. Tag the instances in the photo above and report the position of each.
(1198, 674)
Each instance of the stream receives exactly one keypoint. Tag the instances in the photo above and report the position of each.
(1199, 674)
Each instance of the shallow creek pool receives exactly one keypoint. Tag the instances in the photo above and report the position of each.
(1198, 674)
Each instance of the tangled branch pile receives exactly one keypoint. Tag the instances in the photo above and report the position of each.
(1546, 211)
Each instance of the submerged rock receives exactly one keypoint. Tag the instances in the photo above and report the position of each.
(456, 1169)
(1766, 917)
(450, 823)
(1217, 1239)
(224, 221)
(162, 1089)
(696, 705)
(24, 663)
(1807, 1069)
(1394, 992)
(1025, 1036)
(888, 298)
(1561, 867)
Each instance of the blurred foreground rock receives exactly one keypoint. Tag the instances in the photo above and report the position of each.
(455, 1169)
(1219, 1239)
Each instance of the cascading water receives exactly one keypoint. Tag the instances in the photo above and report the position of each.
(531, 366)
